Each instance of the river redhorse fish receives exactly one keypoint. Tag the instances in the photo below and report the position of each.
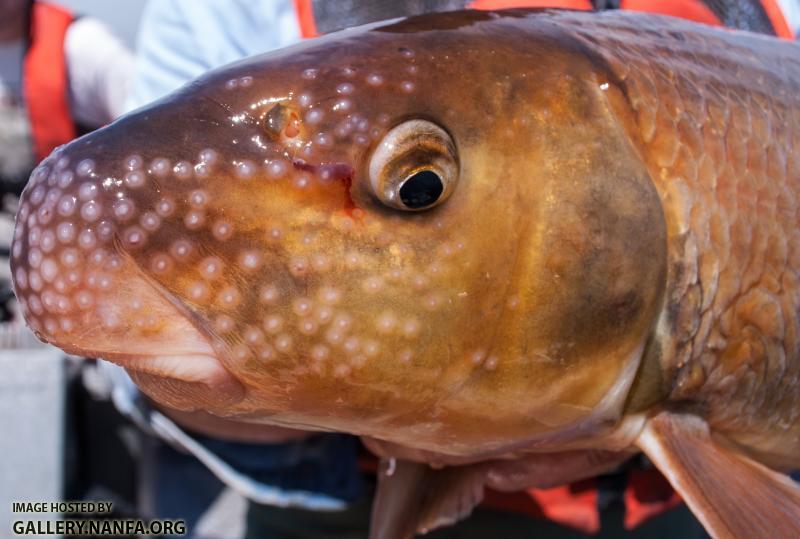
(519, 245)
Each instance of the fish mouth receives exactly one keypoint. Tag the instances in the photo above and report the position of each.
(131, 321)
(184, 367)
(186, 375)
(185, 382)
(197, 373)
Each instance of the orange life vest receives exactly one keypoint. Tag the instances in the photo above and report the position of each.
(693, 10)
(44, 79)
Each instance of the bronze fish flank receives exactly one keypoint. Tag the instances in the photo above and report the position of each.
(522, 245)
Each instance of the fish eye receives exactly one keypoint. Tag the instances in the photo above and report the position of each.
(414, 167)
(421, 189)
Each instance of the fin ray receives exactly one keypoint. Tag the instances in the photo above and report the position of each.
(414, 498)
(732, 495)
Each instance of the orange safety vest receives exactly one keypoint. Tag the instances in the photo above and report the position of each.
(44, 79)
(693, 10)
(647, 493)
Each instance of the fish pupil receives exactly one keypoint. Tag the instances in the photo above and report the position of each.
(421, 189)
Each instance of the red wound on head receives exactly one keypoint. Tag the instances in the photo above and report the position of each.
(332, 172)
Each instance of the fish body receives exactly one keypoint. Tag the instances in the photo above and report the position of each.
(466, 236)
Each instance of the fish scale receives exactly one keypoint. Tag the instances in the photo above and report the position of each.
(731, 245)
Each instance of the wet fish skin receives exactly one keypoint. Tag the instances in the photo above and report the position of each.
(615, 264)
(402, 284)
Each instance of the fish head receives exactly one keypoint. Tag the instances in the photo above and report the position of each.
(402, 231)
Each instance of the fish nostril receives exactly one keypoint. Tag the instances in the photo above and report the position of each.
(280, 121)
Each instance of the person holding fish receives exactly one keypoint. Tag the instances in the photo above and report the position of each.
(55, 83)
(379, 403)
(56, 79)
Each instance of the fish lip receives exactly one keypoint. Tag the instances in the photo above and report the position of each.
(188, 367)
(200, 363)
(211, 339)
(171, 365)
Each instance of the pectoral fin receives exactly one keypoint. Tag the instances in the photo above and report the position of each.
(415, 498)
(732, 495)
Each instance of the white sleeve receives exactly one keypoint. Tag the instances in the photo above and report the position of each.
(168, 52)
(791, 10)
(100, 71)
(180, 40)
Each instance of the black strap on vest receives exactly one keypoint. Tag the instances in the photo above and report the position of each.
(739, 14)
(742, 15)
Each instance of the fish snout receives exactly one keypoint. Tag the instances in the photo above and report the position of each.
(80, 289)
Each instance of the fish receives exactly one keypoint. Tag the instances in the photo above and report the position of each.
(507, 249)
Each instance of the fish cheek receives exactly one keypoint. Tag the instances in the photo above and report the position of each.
(600, 256)
(607, 251)
(585, 293)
